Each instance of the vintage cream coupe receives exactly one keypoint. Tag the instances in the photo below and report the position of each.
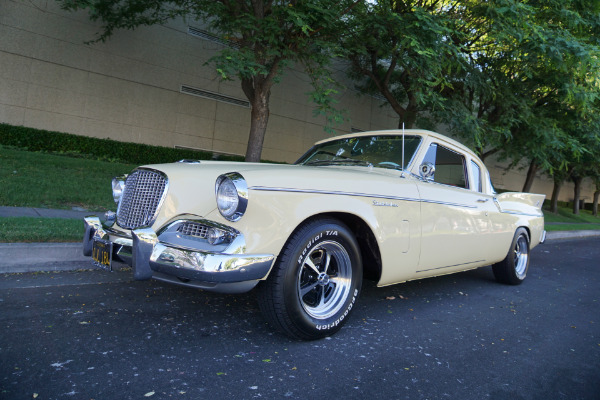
(391, 206)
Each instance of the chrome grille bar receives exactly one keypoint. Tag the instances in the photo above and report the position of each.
(143, 194)
(193, 229)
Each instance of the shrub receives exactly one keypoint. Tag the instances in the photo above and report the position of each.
(101, 149)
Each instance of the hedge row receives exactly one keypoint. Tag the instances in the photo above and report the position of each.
(101, 149)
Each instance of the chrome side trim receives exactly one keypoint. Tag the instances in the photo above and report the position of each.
(451, 266)
(524, 214)
(446, 203)
(337, 193)
(358, 194)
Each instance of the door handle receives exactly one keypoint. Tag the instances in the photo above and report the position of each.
(482, 200)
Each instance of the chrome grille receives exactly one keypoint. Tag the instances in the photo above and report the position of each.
(193, 229)
(144, 191)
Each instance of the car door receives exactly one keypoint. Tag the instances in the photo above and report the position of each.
(455, 223)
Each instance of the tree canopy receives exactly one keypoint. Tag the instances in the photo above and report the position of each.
(517, 79)
(266, 36)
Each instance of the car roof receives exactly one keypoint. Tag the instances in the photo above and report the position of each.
(398, 132)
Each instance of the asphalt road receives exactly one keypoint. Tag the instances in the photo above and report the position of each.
(95, 335)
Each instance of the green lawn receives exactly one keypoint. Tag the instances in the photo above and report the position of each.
(565, 220)
(573, 227)
(28, 229)
(31, 179)
(566, 215)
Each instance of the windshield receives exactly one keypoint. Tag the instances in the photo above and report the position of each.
(379, 151)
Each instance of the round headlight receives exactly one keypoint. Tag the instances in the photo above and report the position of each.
(227, 198)
(118, 185)
(232, 195)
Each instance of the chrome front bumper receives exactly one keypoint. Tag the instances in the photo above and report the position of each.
(228, 271)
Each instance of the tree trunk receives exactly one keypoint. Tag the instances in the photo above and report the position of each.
(258, 91)
(408, 122)
(533, 167)
(408, 117)
(595, 209)
(555, 192)
(576, 194)
(258, 126)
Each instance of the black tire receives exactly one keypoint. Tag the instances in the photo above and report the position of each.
(302, 303)
(513, 269)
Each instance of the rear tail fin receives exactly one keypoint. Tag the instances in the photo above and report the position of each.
(521, 203)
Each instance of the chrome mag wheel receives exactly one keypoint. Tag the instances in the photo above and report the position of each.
(314, 285)
(513, 269)
(521, 256)
(324, 280)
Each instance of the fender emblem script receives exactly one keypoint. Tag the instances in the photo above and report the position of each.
(384, 204)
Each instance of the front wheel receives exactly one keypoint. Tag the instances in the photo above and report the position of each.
(513, 269)
(315, 281)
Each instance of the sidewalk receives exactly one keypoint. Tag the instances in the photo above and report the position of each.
(43, 212)
(38, 257)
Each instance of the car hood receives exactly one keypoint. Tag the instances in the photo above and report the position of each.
(347, 178)
(192, 185)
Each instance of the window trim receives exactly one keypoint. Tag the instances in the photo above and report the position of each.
(481, 188)
(464, 158)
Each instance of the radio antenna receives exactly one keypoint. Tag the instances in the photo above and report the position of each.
(402, 174)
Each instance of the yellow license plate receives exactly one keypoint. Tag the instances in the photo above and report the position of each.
(102, 254)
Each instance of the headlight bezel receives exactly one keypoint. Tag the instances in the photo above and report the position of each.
(235, 181)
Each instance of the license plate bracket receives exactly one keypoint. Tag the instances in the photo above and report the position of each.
(102, 254)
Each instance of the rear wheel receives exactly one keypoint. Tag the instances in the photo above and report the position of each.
(315, 281)
(513, 269)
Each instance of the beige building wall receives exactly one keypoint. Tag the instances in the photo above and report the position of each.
(514, 178)
(129, 89)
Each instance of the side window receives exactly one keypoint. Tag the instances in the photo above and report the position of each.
(449, 166)
(476, 176)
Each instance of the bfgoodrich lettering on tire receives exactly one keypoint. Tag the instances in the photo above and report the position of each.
(315, 282)
(513, 269)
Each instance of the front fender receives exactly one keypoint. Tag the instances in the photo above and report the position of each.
(272, 216)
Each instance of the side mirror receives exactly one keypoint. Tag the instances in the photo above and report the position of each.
(427, 171)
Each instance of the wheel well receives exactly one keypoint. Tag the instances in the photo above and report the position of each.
(528, 232)
(369, 249)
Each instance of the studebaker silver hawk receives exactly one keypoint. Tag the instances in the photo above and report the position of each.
(391, 206)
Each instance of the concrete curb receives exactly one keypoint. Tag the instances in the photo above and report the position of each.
(571, 234)
(33, 257)
(38, 257)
